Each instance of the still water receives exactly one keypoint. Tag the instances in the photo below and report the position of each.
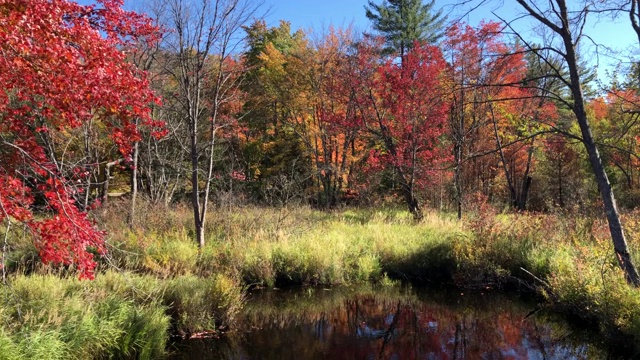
(392, 323)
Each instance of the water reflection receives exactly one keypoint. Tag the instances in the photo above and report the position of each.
(390, 324)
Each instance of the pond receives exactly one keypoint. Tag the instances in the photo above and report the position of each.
(392, 323)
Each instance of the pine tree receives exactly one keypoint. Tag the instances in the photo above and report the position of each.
(404, 21)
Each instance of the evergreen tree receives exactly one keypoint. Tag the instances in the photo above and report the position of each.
(404, 21)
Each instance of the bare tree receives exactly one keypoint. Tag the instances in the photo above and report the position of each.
(144, 57)
(206, 35)
(634, 16)
(566, 28)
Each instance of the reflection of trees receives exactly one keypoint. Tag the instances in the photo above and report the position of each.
(390, 331)
(333, 325)
(460, 341)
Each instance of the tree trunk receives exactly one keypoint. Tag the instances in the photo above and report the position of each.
(410, 199)
(107, 176)
(457, 178)
(507, 174)
(634, 15)
(458, 131)
(613, 217)
(199, 233)
(610, 207)
(526, 181)
(608, 198)
(195, 187)
(406, 187)
(134, 184)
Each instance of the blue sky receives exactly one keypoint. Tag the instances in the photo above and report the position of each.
(313, 14)
(319, 14)
(307, 14)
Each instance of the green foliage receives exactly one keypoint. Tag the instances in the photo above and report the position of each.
(571, 260)
(422, 252)
(259, 36)
(277, 163)
(404, 21)
(41, 345)
(290, 246)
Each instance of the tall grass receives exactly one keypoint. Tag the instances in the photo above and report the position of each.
(118, 315)
(47, 317)
(276, 247)
(203, 304)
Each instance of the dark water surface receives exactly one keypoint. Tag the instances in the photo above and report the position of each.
(391, 323)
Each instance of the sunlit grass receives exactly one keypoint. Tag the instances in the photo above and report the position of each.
(118, 315)
(47, 317)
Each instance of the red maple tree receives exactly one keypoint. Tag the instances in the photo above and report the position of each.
(62, 64)
(403, 104)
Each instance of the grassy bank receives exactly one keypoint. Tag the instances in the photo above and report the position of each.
(119, 315)
(155, 282)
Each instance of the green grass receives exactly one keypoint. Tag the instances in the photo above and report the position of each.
(274, 248)
(46, 317)
(119, 315)
(202, 304)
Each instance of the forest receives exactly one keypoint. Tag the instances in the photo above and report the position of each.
(193, 151)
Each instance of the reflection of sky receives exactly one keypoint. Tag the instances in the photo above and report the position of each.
(389, 319)
(365, 331)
